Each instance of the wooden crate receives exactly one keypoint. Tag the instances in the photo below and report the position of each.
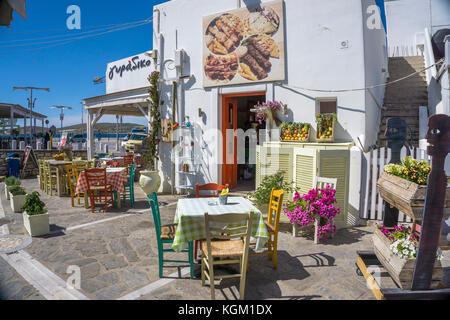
(300, 141)
(407, 196)
(327, 140)
(401, 270)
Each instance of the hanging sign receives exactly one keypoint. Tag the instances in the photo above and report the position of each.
(129, 73)
(245, 45)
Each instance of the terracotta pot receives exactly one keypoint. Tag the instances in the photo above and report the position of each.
(150, 181)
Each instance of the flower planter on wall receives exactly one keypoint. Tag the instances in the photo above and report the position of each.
(407, 196)
(401, 270)
(149, 181)
(37, 225)
(17, 202)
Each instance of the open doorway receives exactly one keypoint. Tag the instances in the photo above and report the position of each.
(236, 115)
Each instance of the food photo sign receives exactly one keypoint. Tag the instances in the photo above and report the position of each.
(244, 46)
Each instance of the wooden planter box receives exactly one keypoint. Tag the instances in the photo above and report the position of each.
(307, 140)
(408, 197)
(401, 270)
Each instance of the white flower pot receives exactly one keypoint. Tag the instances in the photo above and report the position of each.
(37, 225)
(17, 202)
(150, 181)
(6, 192)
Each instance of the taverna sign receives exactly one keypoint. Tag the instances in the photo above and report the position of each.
(129, 73)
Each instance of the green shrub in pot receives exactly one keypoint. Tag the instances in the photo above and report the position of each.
(35, 216)
(17, 198)
(9, 182)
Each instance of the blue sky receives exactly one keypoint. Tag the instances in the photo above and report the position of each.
(69, 70)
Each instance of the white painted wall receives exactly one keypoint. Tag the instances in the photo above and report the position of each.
(316, 59)
(407, 20)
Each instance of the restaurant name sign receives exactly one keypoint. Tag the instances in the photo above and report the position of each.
(129, 73)
(244, 45)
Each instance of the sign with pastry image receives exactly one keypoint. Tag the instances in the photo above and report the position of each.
(244, 45)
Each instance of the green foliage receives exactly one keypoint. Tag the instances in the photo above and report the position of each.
(12, 181)
(263, 192)
(411, 170)
(152, 156)
(33, 204)
(17, 191)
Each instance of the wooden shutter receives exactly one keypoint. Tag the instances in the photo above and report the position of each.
(336, 164)
(305, 167)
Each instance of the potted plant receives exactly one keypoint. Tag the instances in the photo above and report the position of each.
(404, 186)
(17, 195)
(261, 197)
(295, 132)
(150, 180)
(9, 182)
(269, 111)
(325, 127)
(396, 249)
(317, 209)
(35, 216)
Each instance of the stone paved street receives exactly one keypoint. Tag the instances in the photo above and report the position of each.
(118, 257)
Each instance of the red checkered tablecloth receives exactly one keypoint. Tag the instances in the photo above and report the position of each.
(116, 177)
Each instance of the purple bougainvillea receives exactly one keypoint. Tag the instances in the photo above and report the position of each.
(316, 204)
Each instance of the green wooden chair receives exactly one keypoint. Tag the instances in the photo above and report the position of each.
(129, 188)
(165, 235)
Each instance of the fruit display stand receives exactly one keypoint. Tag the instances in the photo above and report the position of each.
(295, 132)
(326, 127)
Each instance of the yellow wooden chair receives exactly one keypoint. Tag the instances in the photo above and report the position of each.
(272, 225)
(72, 179)
(215, 252)
(41, 174)
(50, 178)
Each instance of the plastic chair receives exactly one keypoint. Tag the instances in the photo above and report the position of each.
(225, 249)
(98, 187)
(272, 225)
(129, 187)
(165, 235)
(72, 180)
(209, 187)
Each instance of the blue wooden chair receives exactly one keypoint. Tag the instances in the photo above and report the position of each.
(129, 188)
(165, 235)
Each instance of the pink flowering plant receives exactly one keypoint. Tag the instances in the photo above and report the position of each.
(316, 204)
(271, 106)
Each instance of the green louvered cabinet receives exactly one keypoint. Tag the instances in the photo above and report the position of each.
(304, 162)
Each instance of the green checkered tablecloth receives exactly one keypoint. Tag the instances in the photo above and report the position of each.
(191, 224)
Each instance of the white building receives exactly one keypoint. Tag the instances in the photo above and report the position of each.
(328, 52)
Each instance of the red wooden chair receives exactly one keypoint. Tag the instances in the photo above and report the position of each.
(113, 164)
(98, 189)
(128, 161)
(209, 187)
(206, 187)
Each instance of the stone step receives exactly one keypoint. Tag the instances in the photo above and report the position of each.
(420, 102)
(410, 59)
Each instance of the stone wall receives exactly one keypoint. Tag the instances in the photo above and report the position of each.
(31, 170)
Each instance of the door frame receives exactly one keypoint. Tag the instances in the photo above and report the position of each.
(225, 97)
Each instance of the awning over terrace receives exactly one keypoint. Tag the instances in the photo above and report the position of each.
(10, 113)
(132, 103)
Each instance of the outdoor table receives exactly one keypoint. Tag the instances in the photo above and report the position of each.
(116, 177)
(59, 173)
(191, 224)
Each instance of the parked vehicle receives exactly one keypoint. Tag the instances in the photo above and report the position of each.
(139, 130)
(78, 138)
(135, 142)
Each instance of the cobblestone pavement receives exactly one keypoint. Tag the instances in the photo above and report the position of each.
(119, 256)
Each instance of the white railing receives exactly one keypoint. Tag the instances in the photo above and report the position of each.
(404, 51)
(429, 57)
(373, 206)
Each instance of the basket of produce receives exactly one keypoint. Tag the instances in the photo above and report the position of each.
(59, 157)
(325, 127)
(295, 132)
